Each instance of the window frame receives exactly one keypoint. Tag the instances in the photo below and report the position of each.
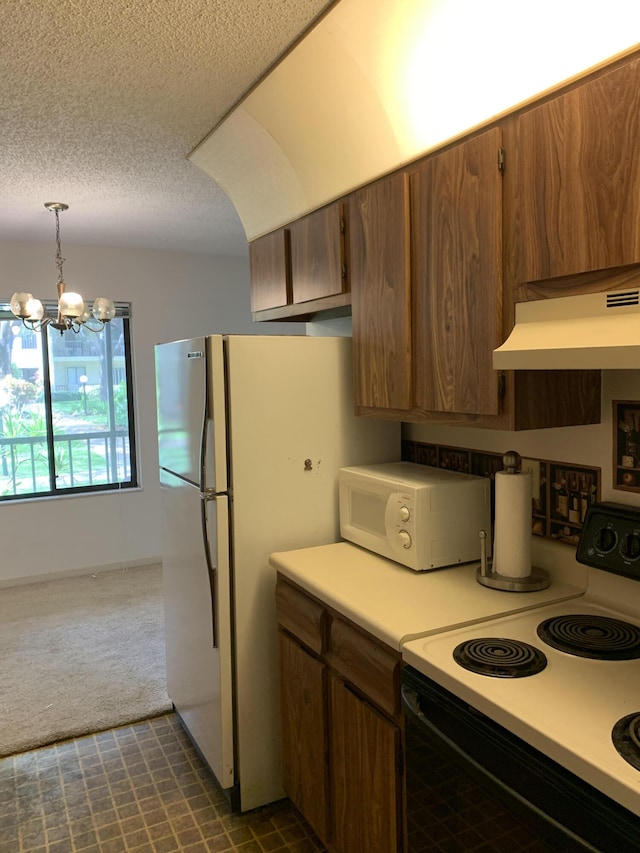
(123, 312)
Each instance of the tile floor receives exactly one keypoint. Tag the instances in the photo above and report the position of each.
(140, 788)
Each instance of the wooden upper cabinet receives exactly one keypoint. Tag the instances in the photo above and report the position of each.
(579, 175)
(270, 271)
(457, 267)
(318, 254)
(381, 293)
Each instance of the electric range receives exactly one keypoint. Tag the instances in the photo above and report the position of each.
(565, 677)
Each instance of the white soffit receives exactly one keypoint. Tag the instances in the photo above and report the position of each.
(377, 83)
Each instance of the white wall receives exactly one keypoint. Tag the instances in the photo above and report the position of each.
(173, 296)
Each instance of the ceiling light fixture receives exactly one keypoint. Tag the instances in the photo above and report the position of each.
(72, 312)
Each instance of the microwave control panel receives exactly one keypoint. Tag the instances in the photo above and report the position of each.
(399, 519)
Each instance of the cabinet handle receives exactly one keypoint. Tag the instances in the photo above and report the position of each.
(502, 385)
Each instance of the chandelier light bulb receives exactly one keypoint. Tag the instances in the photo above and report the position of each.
(19, 302)
(104, 309)
(35, 309)
(71, 304)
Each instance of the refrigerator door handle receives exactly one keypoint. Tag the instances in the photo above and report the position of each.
(212, 570)
(204, 447)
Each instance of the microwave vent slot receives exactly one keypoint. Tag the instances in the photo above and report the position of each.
(627, 297)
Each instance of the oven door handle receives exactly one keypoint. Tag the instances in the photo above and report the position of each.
(411, 705)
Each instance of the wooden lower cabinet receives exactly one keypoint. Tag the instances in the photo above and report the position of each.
(366, 787)
(304, 733)
(342, 759)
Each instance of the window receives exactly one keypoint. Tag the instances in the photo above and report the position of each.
(66, 409)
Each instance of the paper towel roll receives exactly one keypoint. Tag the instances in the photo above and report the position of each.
(512, 536)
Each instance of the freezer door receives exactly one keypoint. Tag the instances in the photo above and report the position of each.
(191, 416)
(196, 580)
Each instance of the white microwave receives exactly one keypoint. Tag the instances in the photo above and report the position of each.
(419, 516)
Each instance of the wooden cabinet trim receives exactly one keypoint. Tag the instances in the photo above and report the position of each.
(302, 616)
(370, 666)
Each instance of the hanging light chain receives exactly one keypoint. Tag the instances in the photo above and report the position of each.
(59, 259)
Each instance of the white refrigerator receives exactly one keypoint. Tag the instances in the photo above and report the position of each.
(251, 431)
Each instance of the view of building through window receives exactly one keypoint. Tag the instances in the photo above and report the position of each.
(66, 412)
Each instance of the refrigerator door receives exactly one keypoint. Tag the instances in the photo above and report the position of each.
(191, 416)
(196, 578)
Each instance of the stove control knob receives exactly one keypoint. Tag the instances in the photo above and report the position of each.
(605, 540)
(404, 540)
(404, 513)
(630, 546)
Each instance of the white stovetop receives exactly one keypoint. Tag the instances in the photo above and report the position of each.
(567, 710)
(396, 604)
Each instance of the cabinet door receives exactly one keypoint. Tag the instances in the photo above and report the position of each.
(457, 263)
(365, 775)
(318, 254)
(381, 293)
(305, 776)
(579, 179)
(270, 271)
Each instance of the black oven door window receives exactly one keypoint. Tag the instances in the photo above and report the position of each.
(471, 785)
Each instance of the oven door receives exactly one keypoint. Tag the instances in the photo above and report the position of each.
(473, 785)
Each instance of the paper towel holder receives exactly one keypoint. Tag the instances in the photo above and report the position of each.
(536, 580)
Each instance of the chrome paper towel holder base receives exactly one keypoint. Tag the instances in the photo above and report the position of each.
(537, 578)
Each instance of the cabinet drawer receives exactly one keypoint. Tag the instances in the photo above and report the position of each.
(371, 667)
(302, 616)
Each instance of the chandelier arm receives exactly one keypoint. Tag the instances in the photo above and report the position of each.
(99, 328)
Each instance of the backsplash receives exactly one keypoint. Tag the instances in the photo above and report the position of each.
(562, 491)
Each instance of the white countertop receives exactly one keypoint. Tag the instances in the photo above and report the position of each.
(396, 604)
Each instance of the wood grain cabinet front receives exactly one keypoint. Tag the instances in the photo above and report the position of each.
(318, 254)
(303, 268)
(341, 727)
(305, 768)
(381, 295)
(270, 266)
(578, 204)
(457, 272)
(426, 280)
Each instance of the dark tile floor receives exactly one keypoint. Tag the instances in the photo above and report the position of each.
(139, 788)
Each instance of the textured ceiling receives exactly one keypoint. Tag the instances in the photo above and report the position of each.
(101, 101)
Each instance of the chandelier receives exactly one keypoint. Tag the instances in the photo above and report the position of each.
(72, 312)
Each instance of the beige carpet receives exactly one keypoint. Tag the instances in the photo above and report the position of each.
(80, 655)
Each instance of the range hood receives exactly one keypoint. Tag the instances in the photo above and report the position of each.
(597, 331)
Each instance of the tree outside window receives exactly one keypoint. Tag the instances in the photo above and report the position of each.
(66, 410)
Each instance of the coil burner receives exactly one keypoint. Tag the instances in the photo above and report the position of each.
(588, 636)
(499, 658)
(626, 739)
